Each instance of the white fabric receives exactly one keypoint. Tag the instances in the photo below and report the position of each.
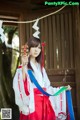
(43, 82)
(28, 103)
(56, 101)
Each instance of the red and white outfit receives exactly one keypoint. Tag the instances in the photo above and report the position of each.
(33, 105)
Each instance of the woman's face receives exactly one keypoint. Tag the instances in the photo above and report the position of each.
(35, 51)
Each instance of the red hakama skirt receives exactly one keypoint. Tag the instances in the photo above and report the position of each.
(43, 108)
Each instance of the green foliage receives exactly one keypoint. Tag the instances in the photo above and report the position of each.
(9, 29)
(15, 63)
(0, 41)
(0, 116)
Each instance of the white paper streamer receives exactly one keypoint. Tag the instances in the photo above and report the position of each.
(36, 28)
(2, 36)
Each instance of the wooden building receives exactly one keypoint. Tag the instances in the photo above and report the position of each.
(60, 31)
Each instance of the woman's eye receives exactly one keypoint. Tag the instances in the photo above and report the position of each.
(39, 47)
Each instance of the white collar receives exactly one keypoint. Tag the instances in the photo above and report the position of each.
(35, 67)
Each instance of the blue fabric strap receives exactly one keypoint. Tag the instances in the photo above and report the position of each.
(33, 79)
(70, 105)
(36, 83)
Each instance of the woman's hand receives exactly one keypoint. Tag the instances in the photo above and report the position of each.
(69, 87)
(24, 55)
(24, 59)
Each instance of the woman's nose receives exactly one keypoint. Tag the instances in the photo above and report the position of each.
(36, 48)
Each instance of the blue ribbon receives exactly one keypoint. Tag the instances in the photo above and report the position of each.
(32, 78)
(70, 105)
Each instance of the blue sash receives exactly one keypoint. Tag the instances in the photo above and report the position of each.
(33, 79)
(70, 105)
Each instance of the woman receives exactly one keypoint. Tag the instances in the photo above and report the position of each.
(33, 105)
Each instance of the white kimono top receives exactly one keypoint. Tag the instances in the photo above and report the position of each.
(26, 103)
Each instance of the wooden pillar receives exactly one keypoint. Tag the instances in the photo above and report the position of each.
(22, 29)
(22, 32)
(76, 33)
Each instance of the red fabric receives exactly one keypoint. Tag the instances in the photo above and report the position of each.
(20, 66)
(43, 109)
(26, 86)
(68, 116)
(43, 45)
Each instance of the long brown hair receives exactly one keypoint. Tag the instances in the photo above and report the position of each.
(34, 42)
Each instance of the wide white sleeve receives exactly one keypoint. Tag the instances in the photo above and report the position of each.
(18, 99)
(26, 102)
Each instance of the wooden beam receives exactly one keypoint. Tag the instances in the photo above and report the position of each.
(14, 7)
